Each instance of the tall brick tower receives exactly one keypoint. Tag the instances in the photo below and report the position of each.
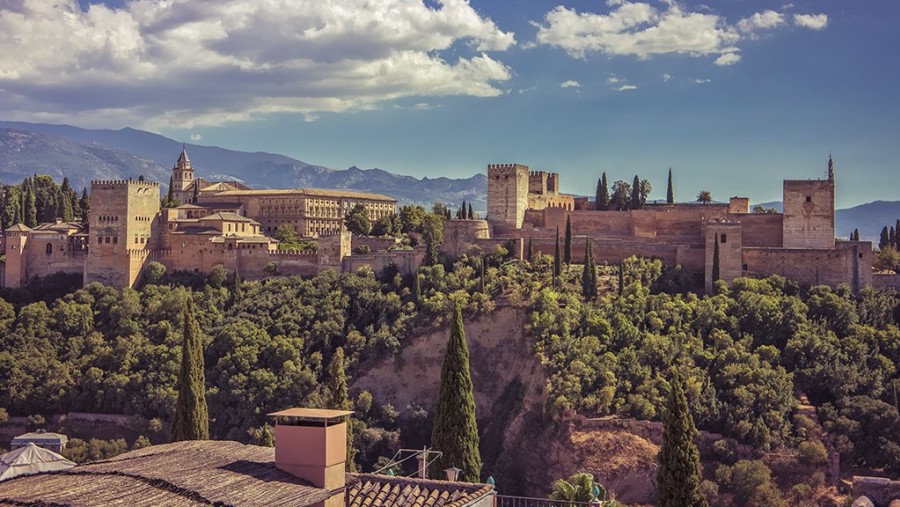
(507, 195)
(809, 212)
(123, 230)
(16, 268)
(183, 177)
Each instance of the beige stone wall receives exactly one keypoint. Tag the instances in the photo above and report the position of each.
(460, 234)
(808, 214)
(728, 235)
(738, 205)
(507, 195)
(124, 217)
(333, 249)
(760, 229)
(407, 261)
(849, 262)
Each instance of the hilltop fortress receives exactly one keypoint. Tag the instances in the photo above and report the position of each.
(228, 224)
(798, 244)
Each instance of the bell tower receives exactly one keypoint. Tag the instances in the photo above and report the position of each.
(183, 177)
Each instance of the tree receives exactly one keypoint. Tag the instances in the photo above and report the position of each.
(481, 276)
(589, 273)
(557, 267)
(471, 213)
(621, 278)
(84, 207)
(287, 237)
(339, 399)
(196, 193)
(578, 488)
(169, 200)
(10, 215)
(357, 220)
(191, 420)
(455, 431)
(433, 234)
(884, 241)
(384, 226)
(678, 477)
(602, 198)
(567, 252)
(892, 237)
(636, 193)
(670, 192)
(30, 206)
(530, 256)
(411, 218)
(897, 235)
(620, 195)
(854, 236)
(460, 213)
(237, 291)
(64, 201)
(704, 197)
(715, 259)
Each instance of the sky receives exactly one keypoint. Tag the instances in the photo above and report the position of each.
(733, 95)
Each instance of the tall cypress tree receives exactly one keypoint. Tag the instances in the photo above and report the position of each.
(31, 214)
(191, 421)
(169, 202)
(237, 291)
(883, 241)
(84, 208)
(896, 235)
(603, 194)
(530, 250)
(636, 193)
(892, 237)
(455, 432)
(339, 399)
(678, 477)
(557, 261)
(567, 255)
(855, 236)
(670, 192)
(416, 288)
(589, 273)
(715, 266)
(621, 279)
(471, 213)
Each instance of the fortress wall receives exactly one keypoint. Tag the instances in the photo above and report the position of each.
(886, 281)
(253, 265)
(643, 223)
(808, 214)
(674, 222)
(849, 262)
(542, 201)
(460, 234)
(760, 229)
(375, 244)
(407, 261)
(613, 251)
(516, 246)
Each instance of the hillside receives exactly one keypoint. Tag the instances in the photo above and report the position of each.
(72, 147)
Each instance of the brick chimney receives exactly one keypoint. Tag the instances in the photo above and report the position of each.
(311, 444)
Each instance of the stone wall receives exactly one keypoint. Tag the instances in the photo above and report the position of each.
(407, 261)
(886, 281)
(459, 235)
(760, 229)
(374, 244)
(849, 262)
(808, 214)
(728, 236)
(507, 195)
(739, 205)
(880, 490)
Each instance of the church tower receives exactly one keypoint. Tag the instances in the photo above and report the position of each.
(183, 178)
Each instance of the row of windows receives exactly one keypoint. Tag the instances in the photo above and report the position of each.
(106, 239)
(142, 219)
(108, 218)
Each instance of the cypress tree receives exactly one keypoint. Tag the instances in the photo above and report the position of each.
(621, 279)
(455, 431)
(589, 273)
(416, 288)
(597, 198)
(896, 236)
(461, 210)
(530, 250)
(31, 214)
(883, 241)
(670, 192)
(557, 267)
(567, 252)
(237, 291)
(636, 193)
(191, 421)
(855, 236)
(170, 195)
(892, 237)
(340, 400)
(603, 194)
(678, 477)
(471, 213)
(10, 208)
(715, 266)
(84, 208)
(196, 192)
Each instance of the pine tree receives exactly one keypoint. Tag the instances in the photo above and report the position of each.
(471, 213)
(589, 273)
(603, 194)
(530, 250)
(636, 193)
(883, 242)
(567, 255)
(678, 477)
(191, 421)
(455, 431)
(670, 192)
(557, 267)
(715, 260)
(339, 399)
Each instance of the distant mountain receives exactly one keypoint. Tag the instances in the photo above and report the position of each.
(869, 218)
(68, 147)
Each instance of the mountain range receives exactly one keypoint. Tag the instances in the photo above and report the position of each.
(85, 154)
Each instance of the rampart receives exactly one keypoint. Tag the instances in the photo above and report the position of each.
(407, 261)
(886, 280)
(849, 262)
(460, 234)
(375, 244)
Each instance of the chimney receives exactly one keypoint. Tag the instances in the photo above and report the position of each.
(311, 444)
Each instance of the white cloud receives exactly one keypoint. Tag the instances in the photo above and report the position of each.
(636, 28)
(614, 79)
(570, 84)
(761, 20)
(627, 87)
(702, 81)
(174, 63)
(812, 21)
(667, 76)
(196, 137)
(727, 59)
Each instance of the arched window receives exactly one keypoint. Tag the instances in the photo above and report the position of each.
(49, 248)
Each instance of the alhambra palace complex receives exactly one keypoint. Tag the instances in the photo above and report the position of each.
(229, 224)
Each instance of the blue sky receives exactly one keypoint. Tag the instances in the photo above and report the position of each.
(734, 95)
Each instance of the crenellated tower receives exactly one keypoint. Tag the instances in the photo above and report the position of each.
(809, 212)
(507, 195)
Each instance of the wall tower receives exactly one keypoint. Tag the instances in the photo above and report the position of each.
(16, 269)
(809, 212)
(123, 230)
(507, 195)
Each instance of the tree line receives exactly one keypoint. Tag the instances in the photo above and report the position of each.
(39, 199)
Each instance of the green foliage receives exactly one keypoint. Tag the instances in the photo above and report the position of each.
(81, 451)
(715, 262)
(704, 197)
(567, 250)
(678, 477)
(580, 487)
(384, 226)
(601, 200)
(670, 192)
(750, 483)
(455, 432)
(812, 452)
(191, 420)
(589, 273)
(357, 220)
(154, 272)
(557, 261)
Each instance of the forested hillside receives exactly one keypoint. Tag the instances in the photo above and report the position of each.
(747, 353)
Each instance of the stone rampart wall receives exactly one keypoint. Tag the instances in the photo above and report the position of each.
(760, 229)
(849, 262)
(407, 261)
(374, 244)
(886, 281)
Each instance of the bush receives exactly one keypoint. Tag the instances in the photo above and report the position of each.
(812, 452)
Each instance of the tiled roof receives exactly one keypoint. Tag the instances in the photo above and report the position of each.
(382, 490)
(18, 228)
(231, 217)
(308, 192)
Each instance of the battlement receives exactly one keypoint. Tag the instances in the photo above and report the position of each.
(125, 183)
(293, 253)
(505, 167)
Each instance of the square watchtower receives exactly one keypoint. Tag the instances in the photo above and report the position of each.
(507, 194)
